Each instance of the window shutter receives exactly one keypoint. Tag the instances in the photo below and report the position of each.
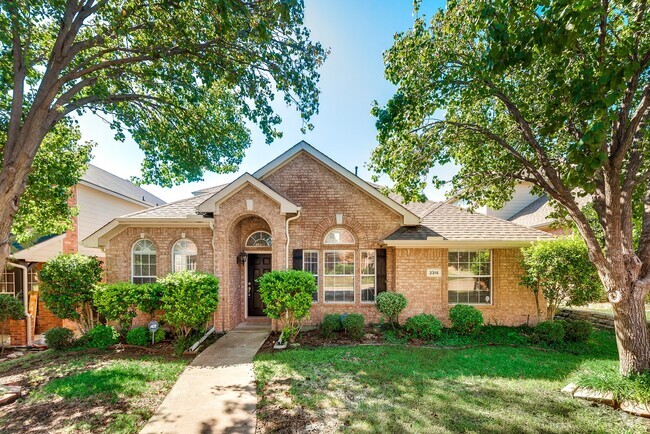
(381, 270)
(297, 259)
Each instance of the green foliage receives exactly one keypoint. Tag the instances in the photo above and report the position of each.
(635, 387)
(148, 297)
(287, 296)
(116, 302)
(10, 308)
(67, 283)
(561, 270)
(331, 324)
(59, 338)
(142, 336)
(102, 337)
(189, 299)
(423, 326)
(549, 332)
(466, 320)
(577, 330)
(353, 325)
(390, 305)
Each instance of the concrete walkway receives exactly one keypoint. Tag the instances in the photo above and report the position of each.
(216, 392)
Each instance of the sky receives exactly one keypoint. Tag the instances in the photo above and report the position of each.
(357, 33)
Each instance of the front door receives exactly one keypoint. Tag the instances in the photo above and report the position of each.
(257, 265)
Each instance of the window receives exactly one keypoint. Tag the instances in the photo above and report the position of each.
(470, 277)
(144, 262)
(368, 276)
(339, 276)
(310, 263)
(339, 236)
(8, 283)
(259, 239)
(184, 256)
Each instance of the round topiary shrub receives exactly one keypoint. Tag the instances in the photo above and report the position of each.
(465, 320)
(549, 332)
(102, 337)
(59, 338)
(142, 336)
(577, 331)
(353, 325)
(423, 326)
(331, 324)
(390, 305)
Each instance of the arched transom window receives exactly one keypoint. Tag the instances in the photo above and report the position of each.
(184, 256)
(339, 236)
(144, 262)
(259, 239)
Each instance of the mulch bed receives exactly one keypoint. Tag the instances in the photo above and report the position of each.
(314, 338)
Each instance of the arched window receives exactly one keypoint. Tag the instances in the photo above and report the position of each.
(144, 262)
(339, 236)
(259, 239)
(183, 256)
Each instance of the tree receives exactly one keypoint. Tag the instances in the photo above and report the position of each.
(181, 78)
(552, 93)
(67, 285)
(560, 269)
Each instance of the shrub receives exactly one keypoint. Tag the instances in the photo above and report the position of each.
(10, 308)
(465, 320)
(549, 332)
(116, 302)
(577, 331)
(331, 323)
(353, 325)
(67, 285)
(189, 299)
(390, 305)
(423, 326)
(148, 297)
(102, 337)
(59, 338)
(142, 336)
(287, 295)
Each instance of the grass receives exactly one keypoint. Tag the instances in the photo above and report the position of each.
(87, 391)
(491, 389)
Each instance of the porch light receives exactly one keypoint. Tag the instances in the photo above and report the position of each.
(241, 258)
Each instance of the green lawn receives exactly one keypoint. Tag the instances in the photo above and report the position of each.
(489, 389)
(87, 391)
(606, 308)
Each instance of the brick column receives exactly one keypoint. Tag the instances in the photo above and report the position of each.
(18, 332)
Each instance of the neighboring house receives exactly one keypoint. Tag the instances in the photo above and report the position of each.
(305, 211)
(100, 197)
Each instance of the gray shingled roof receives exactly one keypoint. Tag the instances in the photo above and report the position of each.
(215, 189)
(106, 180)
(179, 209)
(534, 214)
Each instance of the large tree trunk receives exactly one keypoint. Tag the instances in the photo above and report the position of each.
(632, 337)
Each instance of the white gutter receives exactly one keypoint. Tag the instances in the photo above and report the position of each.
(286, 230)
(25, 302)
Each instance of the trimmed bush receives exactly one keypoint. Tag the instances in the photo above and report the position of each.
(423, 326)
(465, 320)
(10, 308)
(577, 331)
(116, 302)
(142, 336)
(59, 338)
(287, 296)
(390, 305)
(148, 297)
(331, 324)
(102, 337)
(549, 332)
(353, 325)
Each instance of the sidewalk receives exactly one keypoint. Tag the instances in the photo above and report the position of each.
(216, 392)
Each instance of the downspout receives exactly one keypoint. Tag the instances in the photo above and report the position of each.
(26, 303)
(286, 249)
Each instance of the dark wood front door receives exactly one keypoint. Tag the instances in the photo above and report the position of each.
(257, 265)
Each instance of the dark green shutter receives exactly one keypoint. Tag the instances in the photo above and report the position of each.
(381, 270)
(297, 259)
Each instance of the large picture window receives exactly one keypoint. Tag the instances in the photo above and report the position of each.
(144, 262)
(184, 256)
(368, 276)
(310, 264)
(338, 276)
(470, 277)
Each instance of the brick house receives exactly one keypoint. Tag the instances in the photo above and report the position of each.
(305, 211)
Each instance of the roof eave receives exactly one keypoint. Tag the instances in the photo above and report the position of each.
(447, 243)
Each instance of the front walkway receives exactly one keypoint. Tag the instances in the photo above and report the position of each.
(216, 392)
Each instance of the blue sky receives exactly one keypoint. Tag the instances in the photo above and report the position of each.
(357, 33)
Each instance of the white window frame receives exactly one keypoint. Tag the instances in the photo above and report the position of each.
(361, 275)
(133, 276)
(316, 276)
(491, 276)
(354, 277)
(258, 232)
(354, 239)
(174, 270)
